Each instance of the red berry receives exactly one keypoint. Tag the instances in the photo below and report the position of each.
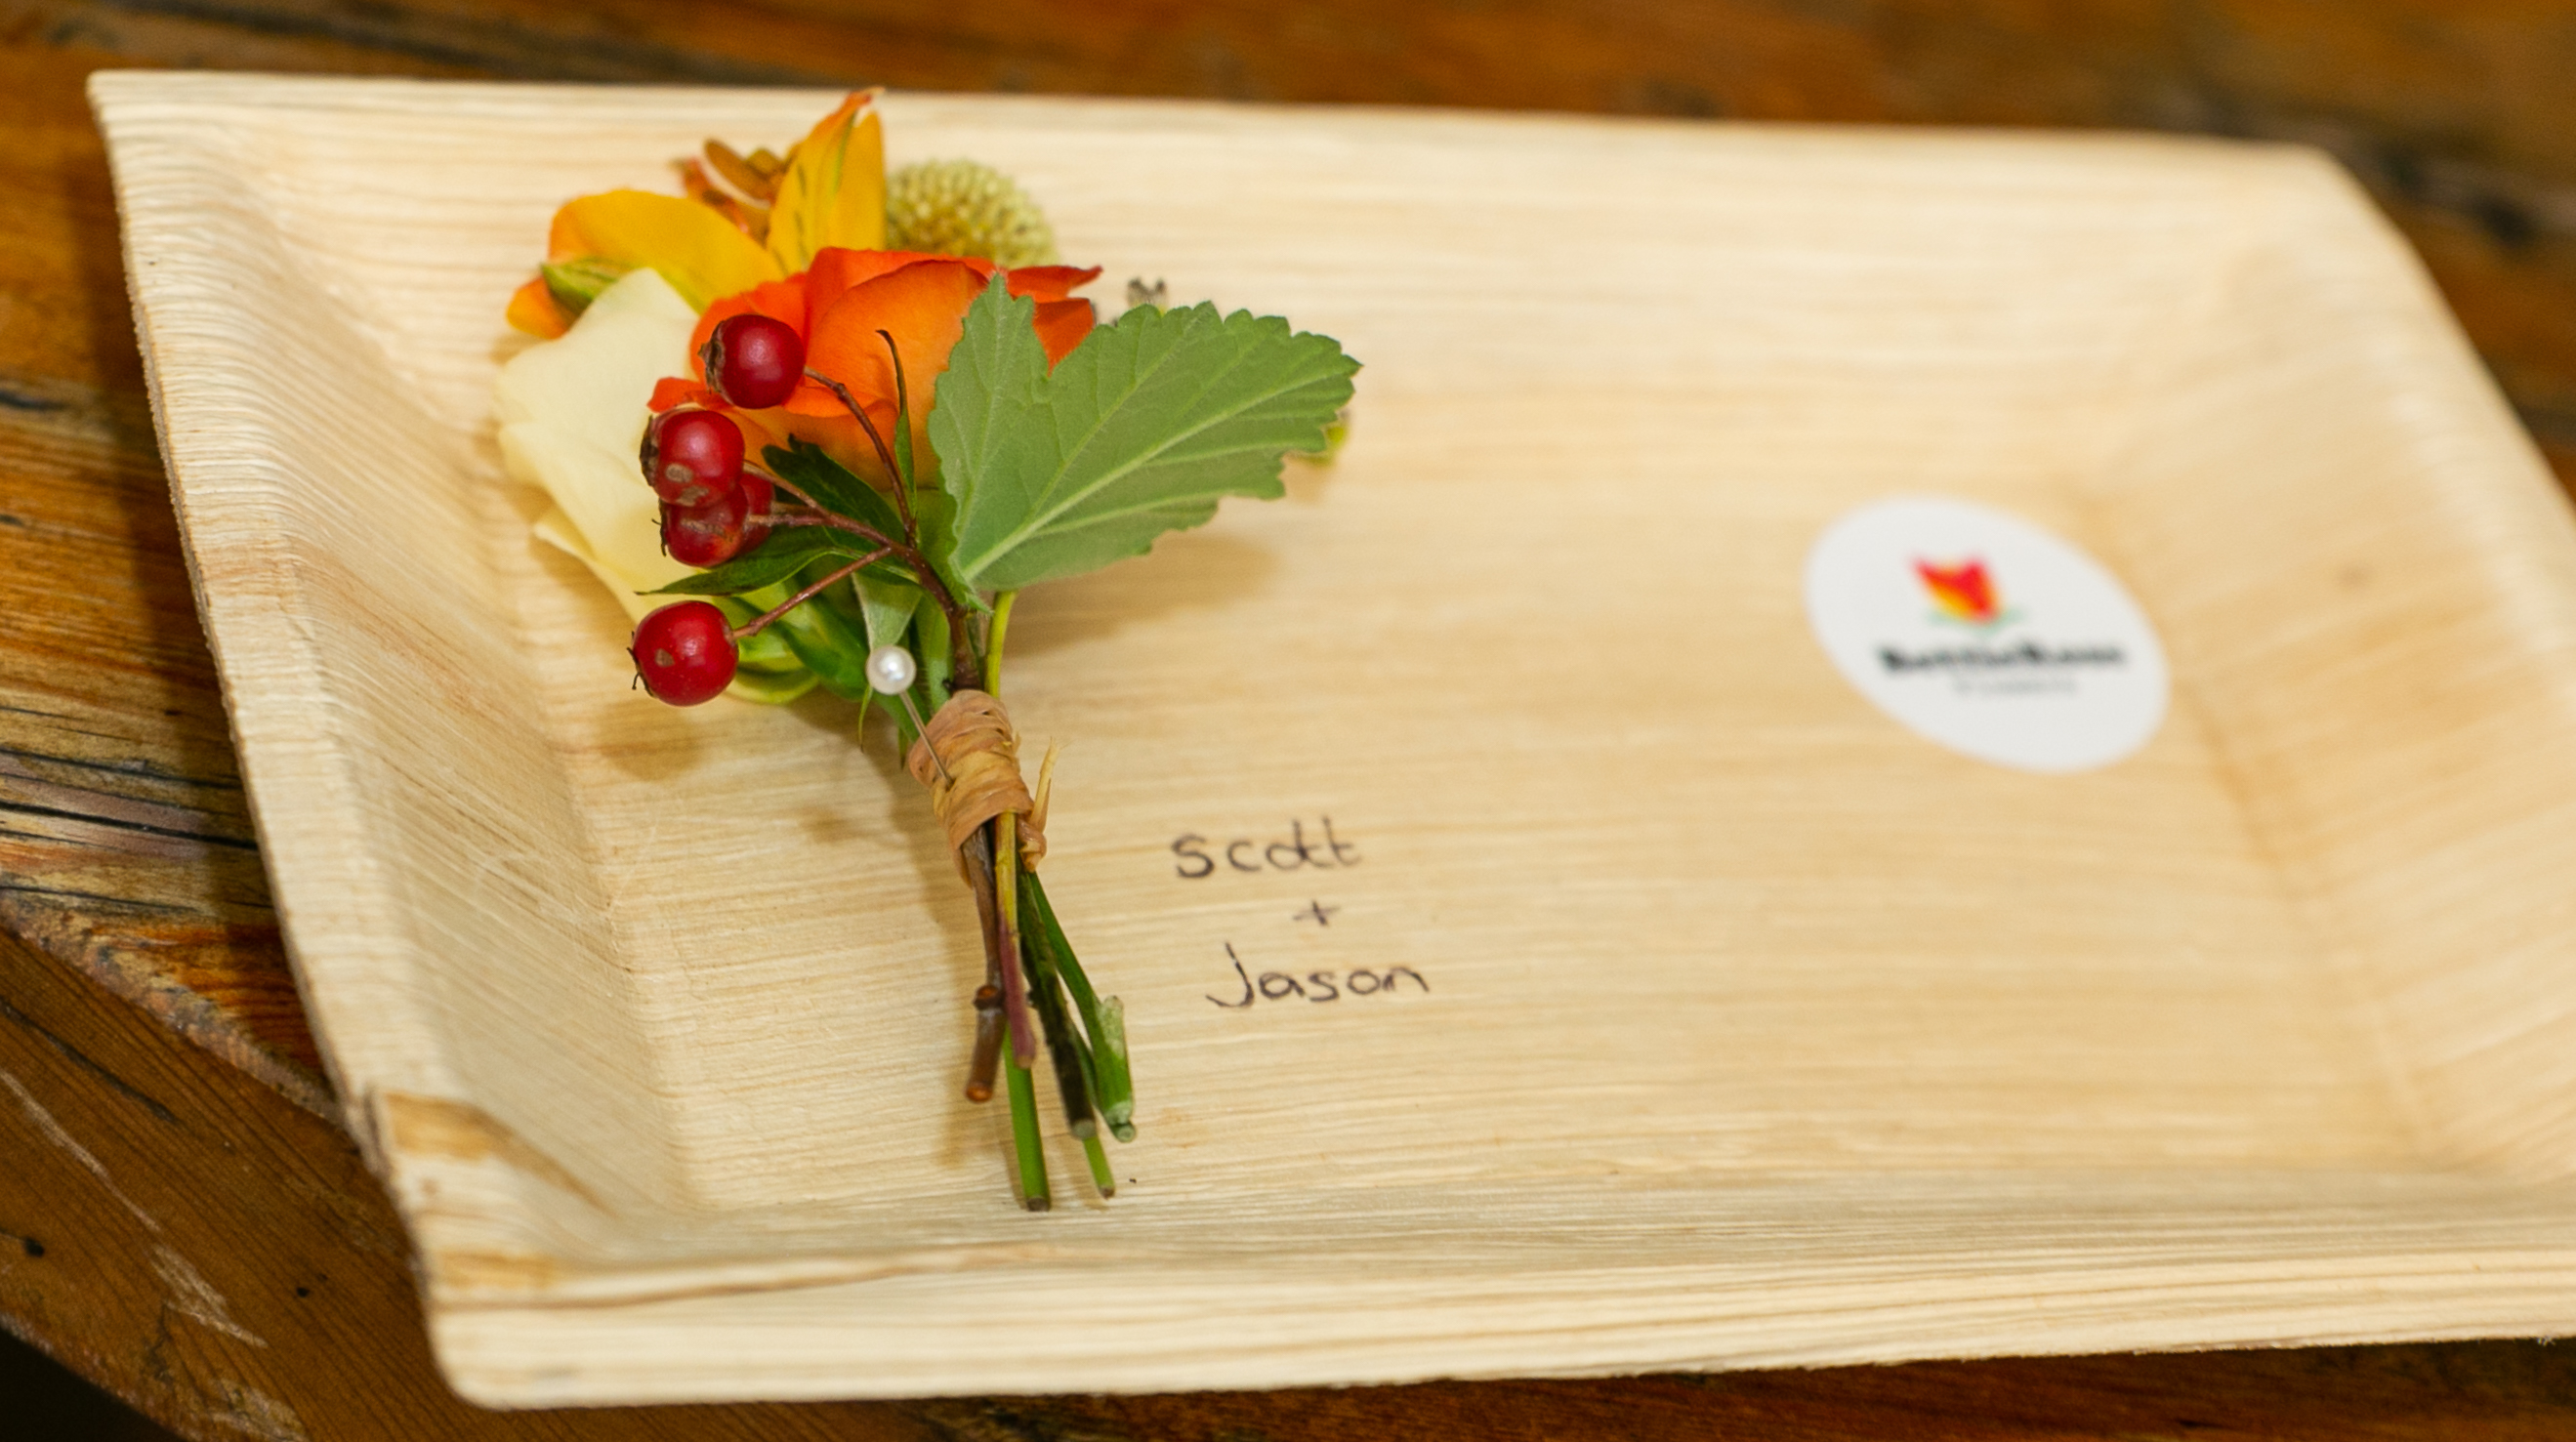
(692, 457)
(703, 536)
(720, 530)
(754, 361)
(685, 653)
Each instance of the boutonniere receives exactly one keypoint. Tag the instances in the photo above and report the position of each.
(820, 431)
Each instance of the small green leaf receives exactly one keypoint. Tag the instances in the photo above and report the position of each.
(888, 607)
(830, 646)
(938, 517)
(771, 688)
(788, 551)
(765, 652)
(811, 470)
(576, 283)
(846, 603)
(1139, 431)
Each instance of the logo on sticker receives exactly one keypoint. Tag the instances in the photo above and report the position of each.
(2061, 674)
(1964, 594)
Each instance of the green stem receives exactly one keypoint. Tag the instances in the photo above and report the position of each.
(1034, 1194)
(993, 644)
(1113, 1088)
(1064, 1044)
(1100, 1174)
(1065, 1050)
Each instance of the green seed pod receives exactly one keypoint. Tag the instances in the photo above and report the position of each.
(963, 207)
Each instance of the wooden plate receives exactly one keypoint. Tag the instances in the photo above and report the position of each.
(1719, 1021)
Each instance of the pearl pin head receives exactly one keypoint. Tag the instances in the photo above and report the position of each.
(891, 670)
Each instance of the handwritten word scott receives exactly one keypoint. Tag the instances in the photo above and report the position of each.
(1199, 856)
(1315, 986)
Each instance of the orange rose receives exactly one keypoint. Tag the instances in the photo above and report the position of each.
(840, 304)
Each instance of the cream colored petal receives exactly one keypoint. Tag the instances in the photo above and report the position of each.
(557, 530)
(606, 501)
(572, 412)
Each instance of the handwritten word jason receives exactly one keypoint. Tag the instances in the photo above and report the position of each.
(1201, 857)
(1314, 986)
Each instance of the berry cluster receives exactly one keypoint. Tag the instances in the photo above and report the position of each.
(713, 507)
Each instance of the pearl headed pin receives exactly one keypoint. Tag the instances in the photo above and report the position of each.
(891, 671)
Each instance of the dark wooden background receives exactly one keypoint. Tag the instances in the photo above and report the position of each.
(164, 1127)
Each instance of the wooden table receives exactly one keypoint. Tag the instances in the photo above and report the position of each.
(181, 1217)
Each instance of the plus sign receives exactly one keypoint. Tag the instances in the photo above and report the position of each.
(1316, 912)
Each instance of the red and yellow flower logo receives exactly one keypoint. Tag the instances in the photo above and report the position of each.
(1964, 593)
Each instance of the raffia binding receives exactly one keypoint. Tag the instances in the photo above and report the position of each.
(974, 738)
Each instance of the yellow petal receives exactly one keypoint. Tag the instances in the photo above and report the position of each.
(698, 251)
(833, 190)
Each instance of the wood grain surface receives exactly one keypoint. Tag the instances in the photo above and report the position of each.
(130, 879)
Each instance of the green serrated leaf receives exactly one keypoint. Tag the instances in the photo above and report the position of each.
(1141, 430)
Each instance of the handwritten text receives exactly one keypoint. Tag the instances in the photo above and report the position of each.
(1201, 857)
(1314, 986)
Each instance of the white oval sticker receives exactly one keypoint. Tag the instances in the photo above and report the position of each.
(1980, 631)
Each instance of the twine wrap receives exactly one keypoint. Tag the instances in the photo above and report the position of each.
(973, 736)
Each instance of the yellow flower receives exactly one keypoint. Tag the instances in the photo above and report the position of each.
(829, 191)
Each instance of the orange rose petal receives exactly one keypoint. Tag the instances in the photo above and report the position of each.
(763, 429)
(837, 269)
(1061, 325)
(921, 301)
(1051, 282)
(673, 391)
(923, 306)
(812, 399)
(777, 299)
